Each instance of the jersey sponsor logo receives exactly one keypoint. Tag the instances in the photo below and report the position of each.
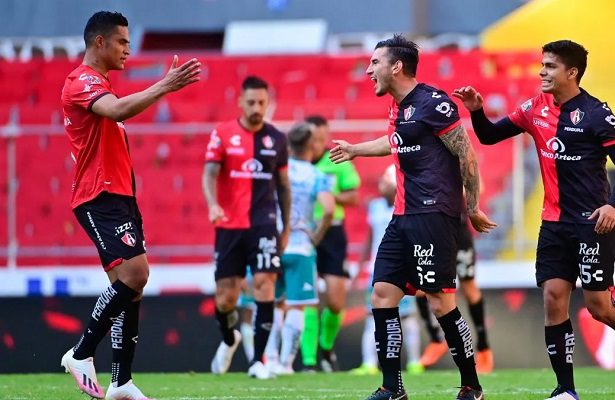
(268, 142)
(409, 112)
(267, 152)
(396, 145)
(94, 80)
(235, 140)
(251, 169)
(123, 228)
(67, 121)
(545, 111)
(129, 239)
(527, 105)
(87, 88)
(94, 94)
(214, 141)
(540, 123)
(556, 145)
(395, 139)
(445, 108)
(576, 116)
(557, 149)
(573, 129)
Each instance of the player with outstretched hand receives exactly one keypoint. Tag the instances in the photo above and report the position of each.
(434, 160)
(104, 199)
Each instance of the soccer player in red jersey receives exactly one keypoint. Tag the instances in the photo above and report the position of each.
(573, 133)
(246, 167)
(434, 161)
(103, 198)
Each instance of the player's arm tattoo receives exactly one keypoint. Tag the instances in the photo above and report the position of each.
(458, 143)
(210, 174)
(283, 189)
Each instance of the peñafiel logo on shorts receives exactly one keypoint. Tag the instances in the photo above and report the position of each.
(129, 239)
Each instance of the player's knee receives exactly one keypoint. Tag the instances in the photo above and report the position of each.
(599, 312)
(138, 278)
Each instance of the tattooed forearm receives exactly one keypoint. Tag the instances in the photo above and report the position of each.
(457, 142)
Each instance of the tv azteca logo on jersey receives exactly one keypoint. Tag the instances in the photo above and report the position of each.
(557, 149)
(397, 145)
(251, 169)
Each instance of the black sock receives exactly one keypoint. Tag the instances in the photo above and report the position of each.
(435, 334)
(459, 339)
(477, 312)
(226, 323)
(560, 347)
(262, 328)
(110, 304)
(124, 337)
(389, 340)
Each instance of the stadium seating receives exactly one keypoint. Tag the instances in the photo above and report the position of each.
(168, 166)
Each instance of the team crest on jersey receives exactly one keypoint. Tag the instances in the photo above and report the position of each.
(527, 105)
(576, 116)
(268, 142)
(129, 239)
(409, 112)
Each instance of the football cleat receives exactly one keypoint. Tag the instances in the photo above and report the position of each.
(484, 361)
(468, 393)
(329, 361)
(224, 355)
(385, 394)
(365, 369)
(84, 373)
(258, 370)
(433, 352)
(128, 391)
(415, 368)
(559, 393)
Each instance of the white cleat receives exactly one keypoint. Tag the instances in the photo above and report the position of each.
(128, 391)
(224, 355)
(562, 394)
(258, 370)
(84, 373)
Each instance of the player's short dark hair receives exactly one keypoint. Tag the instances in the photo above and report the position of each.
(102, 23)
(572, 54)
(298, 137)
(404, 50)
(254, 82)
(316, 120)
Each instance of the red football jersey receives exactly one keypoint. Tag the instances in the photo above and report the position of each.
(248, 174)
(99, 145)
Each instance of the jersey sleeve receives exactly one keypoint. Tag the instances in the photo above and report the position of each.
(215, 148)
(603, 122)
(442, 114)
(282, 161)
(347, 177)
(88, 88)
(522, 115)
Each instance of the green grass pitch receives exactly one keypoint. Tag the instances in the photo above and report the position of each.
(520, 384)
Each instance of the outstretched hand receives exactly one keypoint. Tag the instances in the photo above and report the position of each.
(341, 152)
(471, 99)
(481, 222)
(605, 219)
(179, 77)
